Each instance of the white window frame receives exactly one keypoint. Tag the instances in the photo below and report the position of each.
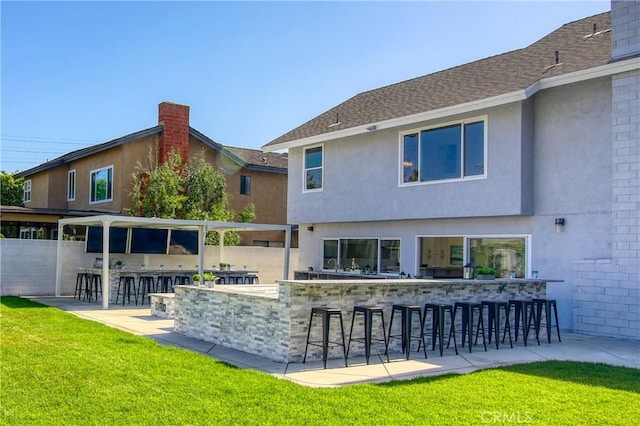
(380, 239)
(304, 170)
(467, 244)
(483, 118)
(71, 185)
(26, 191)
(91, 173)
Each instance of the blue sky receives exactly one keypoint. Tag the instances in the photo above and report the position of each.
(79, 73)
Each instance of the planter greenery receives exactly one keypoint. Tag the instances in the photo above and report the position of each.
(485, 273)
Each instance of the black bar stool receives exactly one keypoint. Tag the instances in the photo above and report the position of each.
(181, 280)
(493, 316)
(438, 313)
(547, 305)
(368, 312)
(164, 284)
(126, 282)
(95, 287)
(251, 279)
(82, 280)
(523, 311)
(325, 343)
(468, 310)
(406, 313)
(145, 286)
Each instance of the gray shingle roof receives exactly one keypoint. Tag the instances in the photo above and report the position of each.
(482, 79)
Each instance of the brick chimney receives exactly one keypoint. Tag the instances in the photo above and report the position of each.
(175, 135)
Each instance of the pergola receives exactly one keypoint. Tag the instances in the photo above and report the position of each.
(202, 226)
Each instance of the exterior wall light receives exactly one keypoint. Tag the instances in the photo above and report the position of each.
(310, 228)
(559, 224)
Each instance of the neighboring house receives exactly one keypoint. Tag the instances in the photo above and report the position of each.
(525, 161)
(99, 178)
(26, 223)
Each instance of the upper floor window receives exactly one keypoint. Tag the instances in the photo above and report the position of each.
(313, 168)
(455, 151)
(245, 185)
(26, 186)
(101, 185)
(71, 185)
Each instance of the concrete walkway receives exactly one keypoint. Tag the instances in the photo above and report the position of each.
(137, 320)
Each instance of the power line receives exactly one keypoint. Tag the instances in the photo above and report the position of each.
(45, 138)
(57, 142)
(28, 151)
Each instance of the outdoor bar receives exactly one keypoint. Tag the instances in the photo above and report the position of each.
(110, 277)
(272, 321)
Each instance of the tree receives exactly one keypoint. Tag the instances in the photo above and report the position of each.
(160, 191)
(12, 190)
(195, 191)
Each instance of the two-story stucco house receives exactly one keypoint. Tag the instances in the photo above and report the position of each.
(526, 162)
(99, 178)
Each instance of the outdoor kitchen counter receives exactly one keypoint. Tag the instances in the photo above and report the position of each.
(272, 321)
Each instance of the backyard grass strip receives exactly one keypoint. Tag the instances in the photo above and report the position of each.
(56, 368)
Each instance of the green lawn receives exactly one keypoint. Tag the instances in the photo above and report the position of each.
(58, 369)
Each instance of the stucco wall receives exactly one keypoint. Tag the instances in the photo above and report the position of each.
(361, 178)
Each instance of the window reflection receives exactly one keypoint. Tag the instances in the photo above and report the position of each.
(362, 255)
(502, 254)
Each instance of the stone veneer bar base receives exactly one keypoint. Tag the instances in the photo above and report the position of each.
(272, 321)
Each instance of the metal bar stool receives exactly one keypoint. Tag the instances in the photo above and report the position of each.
(523, 314)
(368, 312)
(82, 280)
(406, 313)
(126, 282)
(438, 312)
(547, 305)
(468, 310)
(164, 283)
(493, 316)
(145, 286)
(325, 343)
(251, 279)
(181, 280)
(95, 287)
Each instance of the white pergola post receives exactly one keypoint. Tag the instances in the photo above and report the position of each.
(287, 252)
(202, 235)
(105, 263)
(59, 260)
(221, 243)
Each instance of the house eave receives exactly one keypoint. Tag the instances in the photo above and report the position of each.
(516, 96)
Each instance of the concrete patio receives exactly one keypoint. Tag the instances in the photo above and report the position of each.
(137, 320)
